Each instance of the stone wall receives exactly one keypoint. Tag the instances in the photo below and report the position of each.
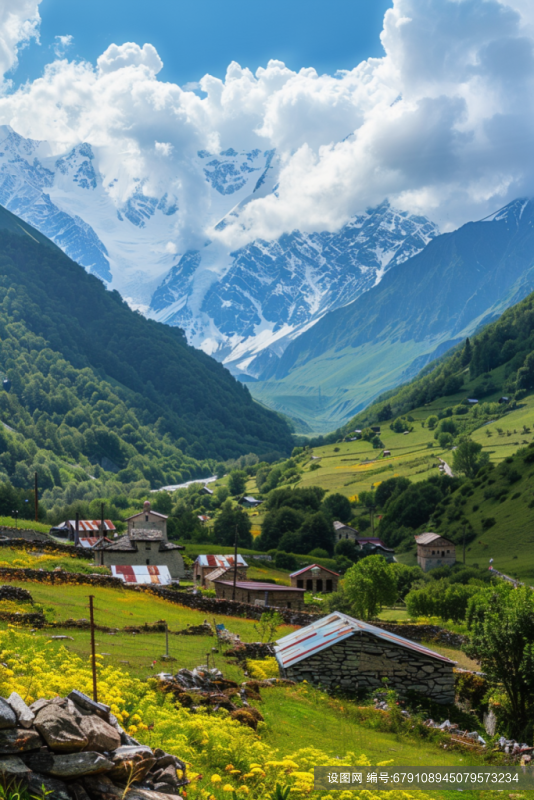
(24, 533)
(58, 577)
(360, 663)
(47, 545)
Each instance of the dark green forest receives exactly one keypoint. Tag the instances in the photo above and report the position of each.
(96, 388)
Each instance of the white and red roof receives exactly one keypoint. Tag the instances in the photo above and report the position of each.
(334, 628)
(142, 574)
(306, 569)
(89, 525)
(220, 561)
(90, 541)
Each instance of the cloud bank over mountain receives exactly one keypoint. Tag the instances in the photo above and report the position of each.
(441, 125)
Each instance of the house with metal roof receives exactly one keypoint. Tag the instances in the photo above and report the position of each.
(142, 575)
(315, 578)
(204, 564)
(433, 550)
(87, 528)
(143, 545)
(340, 652)
(249, 502)
(260, 594)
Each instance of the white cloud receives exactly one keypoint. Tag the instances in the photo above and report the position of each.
(62, 44)
(19, 22)
(442, 124)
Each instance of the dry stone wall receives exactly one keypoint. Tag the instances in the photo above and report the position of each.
(24, 533)
(75, 749)
(361, 662)
(46, 545)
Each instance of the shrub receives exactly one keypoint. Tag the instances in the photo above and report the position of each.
(488, 522)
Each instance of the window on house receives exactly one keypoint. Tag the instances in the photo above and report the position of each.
(146, 517)
(133, 524)
(289, 605)
(319, 585)
(148, 561)
(443, 553)
(300, 583)
(328, 585)
(309, 585)
(147, 546)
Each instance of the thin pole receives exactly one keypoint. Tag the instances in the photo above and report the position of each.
(77, 530)
(464, 544)
(235, 564)
(92, 618)
(36, 499)
(167, 639)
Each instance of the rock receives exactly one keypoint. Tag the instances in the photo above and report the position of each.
(8, 718)
(85, 702)
(138, 767)
(128, 741)
(101, 736)
(127, 752)
(78, 792)
(164, 788)
(19, 740)
(12, 765)
(76, 765)
(24, 715)
(102, 786)
(54, 789)
(167, 775)
(39, 704)
(57, 727)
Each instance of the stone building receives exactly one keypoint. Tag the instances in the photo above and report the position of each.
(315, 579)
(261, 594)
(343, 531)
(339, 651)
(223, 574)
(148, 519)
(143, 545)
(434, 550)
(204, 564)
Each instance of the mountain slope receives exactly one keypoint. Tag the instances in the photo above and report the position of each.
(458, 282)
(91, 378)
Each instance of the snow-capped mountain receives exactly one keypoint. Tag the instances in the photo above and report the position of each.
(273, 291)
(242, 307)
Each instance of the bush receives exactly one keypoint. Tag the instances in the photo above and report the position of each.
(285, 561)
(318, 552)
(488, 522)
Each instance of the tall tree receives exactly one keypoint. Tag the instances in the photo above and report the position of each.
(369, 585)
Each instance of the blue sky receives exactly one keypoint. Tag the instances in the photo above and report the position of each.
(194, 37)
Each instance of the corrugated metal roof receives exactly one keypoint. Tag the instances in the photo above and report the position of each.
(89, 525)
(217, 573)
(265, 587)
(90, 541)
(220, 561)
(428, 538)
(334, 628)
(142, 574)
(305, 569)
(374, 540)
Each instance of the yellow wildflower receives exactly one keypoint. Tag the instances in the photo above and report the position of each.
(216, 779)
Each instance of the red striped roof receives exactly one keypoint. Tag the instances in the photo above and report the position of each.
(334, 628)
(142, 574)
(90, 525)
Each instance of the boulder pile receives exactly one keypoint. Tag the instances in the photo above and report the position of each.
(76, 749)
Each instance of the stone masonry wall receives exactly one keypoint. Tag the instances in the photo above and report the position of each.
(46, 546)
(362, 661)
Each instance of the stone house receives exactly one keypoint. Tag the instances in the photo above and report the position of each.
(143, 545)
(343, 531)
(372, 546)
(340, 651)
(148, 519)
(315, 579)
(434, 550)
(261, 594)
(223, 574)
(204, 564)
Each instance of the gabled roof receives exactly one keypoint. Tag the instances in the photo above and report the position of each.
(374, 540)
(428, 538)
(147, 511)
(335, 628)
(257, 585)
(217, 573)
(90, 541)
(122, 545)
(341, 525)
(305, 569)
(220, 561)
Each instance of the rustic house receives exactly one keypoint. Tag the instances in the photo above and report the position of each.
(339, 651)
(204, 564)
(87, 529)
(148, 520)
(249, 502)
(372, 545)
(261, 594)
(143, 545)
(434, 550)
(315, 579)
(343, 531)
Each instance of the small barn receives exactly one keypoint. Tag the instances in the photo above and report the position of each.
(340, 651)
(434, 550)
(261, 594)
(148, 519)
(343, 531)
(249, 502)
(315, 578)
(372, 546)
(204, 564)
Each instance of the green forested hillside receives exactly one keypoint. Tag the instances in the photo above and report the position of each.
(97, 385)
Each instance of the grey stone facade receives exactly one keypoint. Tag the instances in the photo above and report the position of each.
(360, 662)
